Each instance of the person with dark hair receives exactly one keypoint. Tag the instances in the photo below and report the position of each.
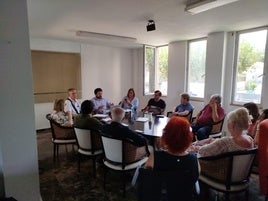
(185, 106)
(264, 115)
(173, 155)
(211, 113)
(156, 105)
(254, 114)
(101, 105)
(130, 101)
(85, 120)
(72, 105)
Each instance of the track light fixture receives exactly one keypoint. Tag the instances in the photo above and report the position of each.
(151, 25)
(198, 6)
(103, 36)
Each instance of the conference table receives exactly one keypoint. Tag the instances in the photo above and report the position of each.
(150, 126)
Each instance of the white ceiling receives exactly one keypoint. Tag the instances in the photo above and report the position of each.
(60, 19)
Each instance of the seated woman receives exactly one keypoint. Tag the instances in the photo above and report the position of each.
(254, 114)
(237, 122)
(264, 115)
(175, 140)
(184, 107)
(130, 101)
(58, 114)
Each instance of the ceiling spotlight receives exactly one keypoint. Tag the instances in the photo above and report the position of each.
(151, 25)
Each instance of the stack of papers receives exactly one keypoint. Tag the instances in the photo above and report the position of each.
(107, 119)
(100, 115)
(142, 119)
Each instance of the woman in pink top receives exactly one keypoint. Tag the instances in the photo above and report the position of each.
(211, 113)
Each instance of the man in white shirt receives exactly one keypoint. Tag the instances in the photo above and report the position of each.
(72, 105)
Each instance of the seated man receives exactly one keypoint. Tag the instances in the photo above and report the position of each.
(156, 105)
(72, 105)
(184, 107)
(84, 120)
(211, 113)
(116, 129)
(101, 105)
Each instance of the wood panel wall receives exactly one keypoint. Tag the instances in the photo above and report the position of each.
(54, 73)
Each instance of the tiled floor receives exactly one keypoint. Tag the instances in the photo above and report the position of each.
(61, 181)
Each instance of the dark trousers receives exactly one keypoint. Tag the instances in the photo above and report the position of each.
(201, 132)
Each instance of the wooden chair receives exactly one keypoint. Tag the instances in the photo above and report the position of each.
(188, 116)
(216, 131)
(228, 172)
(61, 135)
(122, 156)
(89, 144)
(155, 185)
(263, 157)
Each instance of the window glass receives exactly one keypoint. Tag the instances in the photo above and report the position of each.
(196, 68)
(249, 64)
(155, 69)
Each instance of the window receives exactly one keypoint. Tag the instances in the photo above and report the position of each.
(249, 63)
(196, 67)
(155, 69)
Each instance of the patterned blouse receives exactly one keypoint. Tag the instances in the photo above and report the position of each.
(222, 145)
(59, 117)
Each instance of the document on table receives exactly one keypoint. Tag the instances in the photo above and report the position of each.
(100, 115)
(142, 119)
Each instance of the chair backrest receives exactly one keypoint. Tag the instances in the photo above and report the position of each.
(188, 116)
(217, 127)
(88, 140)
(216, 130)
(112, 149)
(122, 151)
(60, 132)
(165, 185)
(229, 168)
(262, 156)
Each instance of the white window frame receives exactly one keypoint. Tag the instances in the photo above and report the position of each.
(188, 68)
(156, 66)
(235, 66)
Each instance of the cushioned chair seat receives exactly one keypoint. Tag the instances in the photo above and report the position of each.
(222, 187)
(127, 167)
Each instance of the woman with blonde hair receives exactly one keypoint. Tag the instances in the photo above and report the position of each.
(58, 114)
(237, 123)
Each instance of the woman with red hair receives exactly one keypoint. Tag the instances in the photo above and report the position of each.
(173, 155)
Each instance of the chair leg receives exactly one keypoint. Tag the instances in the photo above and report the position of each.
(104, 177)
(78, 162)
(247, 194)
(54, 152)
(66, 148)
(227, 196)
(94, 167)
(57, 150)
(124, 184)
